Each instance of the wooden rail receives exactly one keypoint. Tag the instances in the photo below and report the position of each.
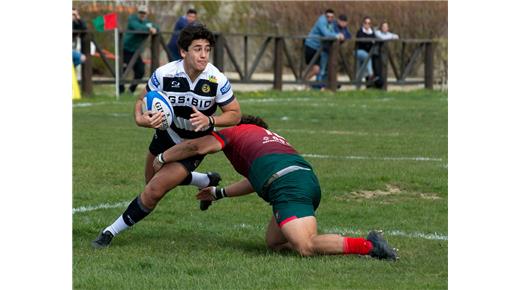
(283, 55)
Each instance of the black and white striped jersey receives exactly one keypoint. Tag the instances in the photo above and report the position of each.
(211, 88)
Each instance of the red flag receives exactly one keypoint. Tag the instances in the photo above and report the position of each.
(110, 21)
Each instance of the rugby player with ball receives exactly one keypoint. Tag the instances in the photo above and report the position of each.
(194, 89)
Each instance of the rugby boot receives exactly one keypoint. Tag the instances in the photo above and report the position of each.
(380, 248)
(103, 240)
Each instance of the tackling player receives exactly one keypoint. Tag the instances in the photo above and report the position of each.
(195, 89)
(280, 176)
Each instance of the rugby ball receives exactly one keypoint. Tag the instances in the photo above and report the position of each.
(156, 101)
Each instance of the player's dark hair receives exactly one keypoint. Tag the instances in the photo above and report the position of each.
(191, 11)
(329, 11)
(248, 119)
(194, 32)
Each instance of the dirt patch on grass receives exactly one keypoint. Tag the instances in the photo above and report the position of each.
(391, 189)
(429, 195)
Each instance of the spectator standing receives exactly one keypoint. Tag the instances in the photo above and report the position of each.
(363, 49)
(323, 27)
(340, 26)
(382, 33)
(137, 22)
(189, 18)
(77, 24)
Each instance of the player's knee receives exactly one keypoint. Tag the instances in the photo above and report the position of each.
(304, 248)
(305, 251)
(153, 193)
(272, 244)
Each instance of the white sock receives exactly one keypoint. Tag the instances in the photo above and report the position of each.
(118, 226)
(200, 180)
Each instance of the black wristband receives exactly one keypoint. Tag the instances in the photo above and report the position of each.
(220, 193)
(211, 121)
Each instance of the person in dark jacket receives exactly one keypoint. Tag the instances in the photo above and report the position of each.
(132, 41)
(363, 49)
(189, 18)
(77, 24)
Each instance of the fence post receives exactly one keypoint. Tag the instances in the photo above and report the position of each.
(86, 66)
(278, 63)
(383, 54)
(156, 53)
(428, 65)
(245, 58)
(332, 69)
(218, 54)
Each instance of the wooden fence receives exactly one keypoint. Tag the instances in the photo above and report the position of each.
(401, 64)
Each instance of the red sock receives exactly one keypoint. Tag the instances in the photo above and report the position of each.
(359, 246)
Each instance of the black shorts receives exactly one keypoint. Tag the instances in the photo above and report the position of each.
(161, 141)
(309, 53)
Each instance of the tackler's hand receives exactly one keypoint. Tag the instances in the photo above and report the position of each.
(158, 163)
(206, 194)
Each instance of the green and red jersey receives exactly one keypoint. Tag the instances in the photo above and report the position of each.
(257, 153)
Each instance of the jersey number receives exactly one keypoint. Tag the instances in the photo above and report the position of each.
(273, 137)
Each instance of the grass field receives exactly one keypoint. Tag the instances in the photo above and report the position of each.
(382, 161)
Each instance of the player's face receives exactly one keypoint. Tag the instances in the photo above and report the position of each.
(197, 56)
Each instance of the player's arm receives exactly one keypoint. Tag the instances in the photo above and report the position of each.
(199, 146)
(228, 104)
(230, 115)
(212, 193)
(135, 24)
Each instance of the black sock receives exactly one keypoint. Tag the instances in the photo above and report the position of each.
(135, 212)
(187, 180)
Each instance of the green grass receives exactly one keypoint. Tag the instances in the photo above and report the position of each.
(180, 247)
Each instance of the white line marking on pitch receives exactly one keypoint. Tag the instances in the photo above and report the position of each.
(87, 104)
(340, 132)
(276, 100)
(100, 206)
(397, 233)
(371, 158)
(336, 132)
(343, 231)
